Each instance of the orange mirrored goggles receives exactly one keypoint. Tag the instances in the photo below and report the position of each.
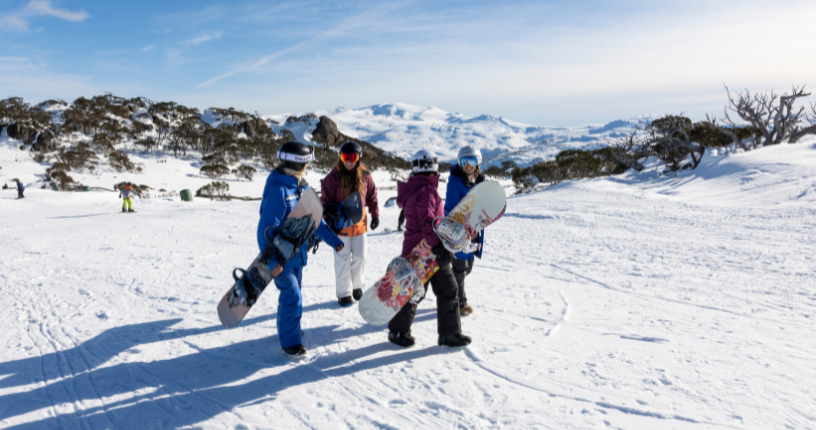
(349, 157)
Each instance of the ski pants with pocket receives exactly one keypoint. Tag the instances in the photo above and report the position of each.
(290, 306)
(349, 265)
(127, 203)
(20, 194)
(462, 268)
(447, 306)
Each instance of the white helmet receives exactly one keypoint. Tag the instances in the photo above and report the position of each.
(424, 161)
(469, 151)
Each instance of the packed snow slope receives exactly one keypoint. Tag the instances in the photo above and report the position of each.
(403, 129)
(633, 302)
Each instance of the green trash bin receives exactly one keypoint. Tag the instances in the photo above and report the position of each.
(54, 186)
(186, 195)
(86, 188)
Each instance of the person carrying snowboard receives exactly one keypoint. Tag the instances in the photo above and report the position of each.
(347, 177)
(127, 201)
(20, 189)
(422, 204)
(282, 191)
(463, 176)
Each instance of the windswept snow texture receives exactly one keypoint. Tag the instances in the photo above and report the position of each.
(404, 129)
(634, 302)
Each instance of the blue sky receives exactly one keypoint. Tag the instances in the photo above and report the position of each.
(539, 62)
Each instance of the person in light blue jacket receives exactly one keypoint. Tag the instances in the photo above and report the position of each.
(463, 176)
(283, 188)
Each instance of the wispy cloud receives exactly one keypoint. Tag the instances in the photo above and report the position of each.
(206, 37)
(18, 21)
(43, 7)
(148, 48)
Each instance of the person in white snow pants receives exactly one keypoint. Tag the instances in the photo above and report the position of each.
(347, 177)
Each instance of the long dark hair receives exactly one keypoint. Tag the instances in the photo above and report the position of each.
(352, 180)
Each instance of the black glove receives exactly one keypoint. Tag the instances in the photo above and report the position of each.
(443, 256)
(375, 222)
(330, 209)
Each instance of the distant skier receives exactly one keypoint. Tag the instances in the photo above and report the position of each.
(20, 189)
(127, 201)
(347, 177)
(281, 193)
(422, 203)
(463, 175)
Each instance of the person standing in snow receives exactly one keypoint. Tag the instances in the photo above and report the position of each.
(463, 176)
(127, 201)
(20, 189)
(423, 204)
(347, 177)
(282, 191)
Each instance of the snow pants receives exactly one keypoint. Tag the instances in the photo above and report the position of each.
(290, 306)
(127, 203)
(20, 194)
(349, 265)
(447, 306)
(462, 268)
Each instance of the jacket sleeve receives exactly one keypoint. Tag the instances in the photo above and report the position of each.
(273, 211)
(328, 191)
(453, 194)
(425, 204)
(327, 235)
(371, 197)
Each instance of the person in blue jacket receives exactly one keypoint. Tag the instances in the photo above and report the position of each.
(20, 189)
(463, 175)
(281, 193)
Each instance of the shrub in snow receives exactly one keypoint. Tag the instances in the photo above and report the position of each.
(214, 190)
(214, 170)
(244, 171)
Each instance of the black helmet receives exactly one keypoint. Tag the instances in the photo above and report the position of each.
(127, 183)
(296, 152)
(351, 148)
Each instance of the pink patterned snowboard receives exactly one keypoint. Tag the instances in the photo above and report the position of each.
(483, 205)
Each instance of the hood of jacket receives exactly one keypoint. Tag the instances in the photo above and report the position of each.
(414, 184)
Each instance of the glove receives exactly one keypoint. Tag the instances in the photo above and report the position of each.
(443, 256)
(330, 209)
(375, 222)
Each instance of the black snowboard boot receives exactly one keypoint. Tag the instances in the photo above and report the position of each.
(358, 294)
(404, 340)
(345, 302)
(296, 351)
(131, 210)
(454, 340)
(124, 210)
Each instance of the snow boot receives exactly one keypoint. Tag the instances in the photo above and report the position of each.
(454, 340)
(404, 340)
(131, 210)
(358, 294)
(124, 210)
(296, 351)
(345, 302)
(465, 310)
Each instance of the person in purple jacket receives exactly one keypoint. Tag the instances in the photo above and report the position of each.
(420, 199)
(347, 177)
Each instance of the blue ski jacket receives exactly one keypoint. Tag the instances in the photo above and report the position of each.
(20, 186)
(458, 186)
(281, 194)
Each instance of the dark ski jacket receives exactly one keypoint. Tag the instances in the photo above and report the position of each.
(458, 186)
(421, 201)
(281, 194)
(332, 193)
(20, 186)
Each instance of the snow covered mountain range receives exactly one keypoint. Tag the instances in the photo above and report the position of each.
(402, 129)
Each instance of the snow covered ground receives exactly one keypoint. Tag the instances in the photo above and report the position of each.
(634, 302)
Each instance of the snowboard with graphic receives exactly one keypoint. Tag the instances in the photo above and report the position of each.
(294, 232)
(405, 277)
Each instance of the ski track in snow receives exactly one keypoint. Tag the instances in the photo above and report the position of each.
(625, 302)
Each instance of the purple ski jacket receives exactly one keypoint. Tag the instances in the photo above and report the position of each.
(422, 203)
(331, 193)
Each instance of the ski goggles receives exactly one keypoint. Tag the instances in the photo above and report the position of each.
(349, 157)
(470, 160)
